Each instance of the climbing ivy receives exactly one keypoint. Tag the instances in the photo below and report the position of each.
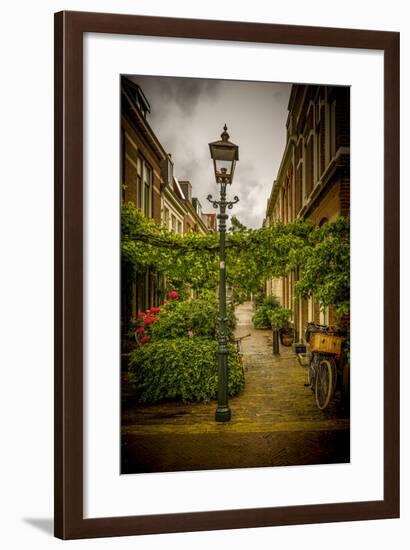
(326, 266)
(321, 255)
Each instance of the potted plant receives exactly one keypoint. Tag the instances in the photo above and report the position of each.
(280, 320)
(261, 319)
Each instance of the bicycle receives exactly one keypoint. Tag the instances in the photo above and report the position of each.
(238, 342)
(325, 343)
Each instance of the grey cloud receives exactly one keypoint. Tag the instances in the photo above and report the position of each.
(186, 114)
(186, 93)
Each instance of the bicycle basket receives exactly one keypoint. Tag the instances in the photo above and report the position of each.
(326, 343)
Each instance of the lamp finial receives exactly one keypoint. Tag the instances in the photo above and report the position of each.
(225, 135)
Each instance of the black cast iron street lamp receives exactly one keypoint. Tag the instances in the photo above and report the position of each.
(224, 154)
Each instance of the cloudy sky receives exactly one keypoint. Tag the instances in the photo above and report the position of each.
(187, 114)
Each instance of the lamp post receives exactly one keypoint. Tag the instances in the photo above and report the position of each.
(224, 155)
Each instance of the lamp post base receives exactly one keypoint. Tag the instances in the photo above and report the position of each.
(223, 414)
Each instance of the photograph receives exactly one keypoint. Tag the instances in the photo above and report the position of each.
(210, 212)
(235, 274)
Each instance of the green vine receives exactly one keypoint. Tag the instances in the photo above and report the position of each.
(321, 255)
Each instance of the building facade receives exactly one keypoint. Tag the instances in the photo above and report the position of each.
(313, 180)
(147, 180)
(193, 220)
(143, 160)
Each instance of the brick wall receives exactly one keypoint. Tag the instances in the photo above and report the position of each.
(345, 197)
(135, 145)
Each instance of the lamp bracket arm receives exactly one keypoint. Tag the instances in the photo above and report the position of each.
(214, 202)
(231, 203)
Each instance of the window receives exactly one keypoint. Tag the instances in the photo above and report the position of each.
(290, 202)
(309, 167)
(332, 129)
(139, 183)
(318, 140)
(147, 181)
(173, 223)
(166, 218)
(179, 227)
(298, 190)
(285, 205)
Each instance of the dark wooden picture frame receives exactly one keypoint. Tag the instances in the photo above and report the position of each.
(69, 30)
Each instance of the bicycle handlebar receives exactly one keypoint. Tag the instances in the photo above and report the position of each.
(243, 337)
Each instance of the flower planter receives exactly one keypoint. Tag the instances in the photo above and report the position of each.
(300, 348)
(287, 337)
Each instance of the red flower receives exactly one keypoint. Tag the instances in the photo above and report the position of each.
(155, 310)
(149, 321)
(139, 330)
(144, 340)
(173, 294)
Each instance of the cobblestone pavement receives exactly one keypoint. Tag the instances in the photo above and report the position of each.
(275, 421)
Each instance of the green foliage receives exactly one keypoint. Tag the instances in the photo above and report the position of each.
(280, 317)
(236, 225)
(270, 302)
(259, 297)
(197, 316)
(325, 266)
(188, 260)
(262, 318)
(321, 255)
(182, 368)
(253, 255)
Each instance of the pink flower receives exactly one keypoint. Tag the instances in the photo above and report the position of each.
(155, 310)
(190, 333)
(139, 330)
(173, 294)
(144, 340)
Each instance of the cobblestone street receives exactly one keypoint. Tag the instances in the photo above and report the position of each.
(275, 421)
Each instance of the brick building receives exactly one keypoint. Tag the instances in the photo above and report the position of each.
(313, 180)
(147, 180)
(209, 219)
(142, 162)
(193, 220)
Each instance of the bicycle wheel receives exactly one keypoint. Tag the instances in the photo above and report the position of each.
(325, 382)
(312, 370)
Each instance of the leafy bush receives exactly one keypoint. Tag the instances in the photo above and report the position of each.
(325, 266)
(192, 317)
(261, 319)
(270, 302)
(259, 297)
(182, 368)
(280, 317)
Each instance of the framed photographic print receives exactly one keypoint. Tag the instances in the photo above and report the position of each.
(227, 275)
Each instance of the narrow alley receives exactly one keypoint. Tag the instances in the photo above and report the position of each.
(275, 421)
